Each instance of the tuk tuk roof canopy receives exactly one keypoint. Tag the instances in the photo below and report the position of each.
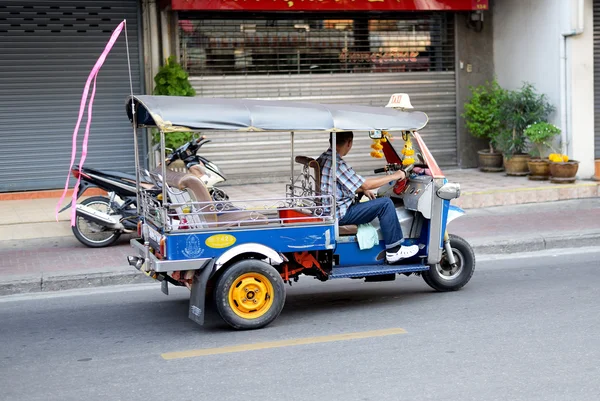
(176, 113)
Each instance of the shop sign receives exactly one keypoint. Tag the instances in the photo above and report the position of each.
(385, 57)
(330, 5)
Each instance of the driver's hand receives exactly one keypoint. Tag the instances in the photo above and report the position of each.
(370, 194)
(399, 175)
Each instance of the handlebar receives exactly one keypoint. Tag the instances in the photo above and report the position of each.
(187, 151)
(380, 170)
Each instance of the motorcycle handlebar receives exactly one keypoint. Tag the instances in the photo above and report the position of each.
(379, 170)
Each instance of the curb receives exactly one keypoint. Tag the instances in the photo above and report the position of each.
(488, 246)
(117, 276)
(71, 280)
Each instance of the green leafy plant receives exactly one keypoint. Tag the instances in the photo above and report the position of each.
(172, 80)
(483, 112)
(540, 135)
(520, 109)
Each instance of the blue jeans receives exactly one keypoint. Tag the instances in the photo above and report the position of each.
(383, 208)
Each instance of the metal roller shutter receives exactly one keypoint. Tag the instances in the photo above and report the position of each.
(597, 77)
(48, 50)
(356, 60)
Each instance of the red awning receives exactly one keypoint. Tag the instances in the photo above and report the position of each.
(329, 5)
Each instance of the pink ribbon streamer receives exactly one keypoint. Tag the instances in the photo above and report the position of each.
(91, 78)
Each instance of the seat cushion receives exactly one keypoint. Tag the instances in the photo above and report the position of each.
(348, 230)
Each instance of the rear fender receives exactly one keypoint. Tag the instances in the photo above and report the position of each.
(263, 252)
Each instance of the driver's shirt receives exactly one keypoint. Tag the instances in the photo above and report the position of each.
(347, 182)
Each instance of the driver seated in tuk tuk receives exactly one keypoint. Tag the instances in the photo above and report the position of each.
(349, 212)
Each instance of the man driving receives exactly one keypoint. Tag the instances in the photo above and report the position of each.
(349, 184)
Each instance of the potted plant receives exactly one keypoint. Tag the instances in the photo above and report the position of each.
(540, 136)
(521, 108)
(483, 120)
(172, 80)
(562, 169)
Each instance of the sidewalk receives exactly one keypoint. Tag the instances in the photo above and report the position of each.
(34, 218)
(39, 254)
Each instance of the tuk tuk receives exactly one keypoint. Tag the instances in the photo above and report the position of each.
(241, 253)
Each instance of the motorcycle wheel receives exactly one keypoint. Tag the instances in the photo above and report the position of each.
(91, 234)
(444, 277)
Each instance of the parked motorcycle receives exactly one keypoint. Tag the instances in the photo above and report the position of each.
(101, 220)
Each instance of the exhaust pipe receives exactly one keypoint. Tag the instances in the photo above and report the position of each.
(99, 217)
(135, 261)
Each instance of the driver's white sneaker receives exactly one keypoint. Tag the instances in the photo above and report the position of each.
(402, 253)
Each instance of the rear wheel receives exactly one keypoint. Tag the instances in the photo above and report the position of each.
(445, 277)
(92, 234)
(250, 294)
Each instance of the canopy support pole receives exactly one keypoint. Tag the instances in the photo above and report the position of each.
(292, 161)
(164, 175)
(334, 171)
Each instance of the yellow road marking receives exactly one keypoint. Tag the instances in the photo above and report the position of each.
(283, 343)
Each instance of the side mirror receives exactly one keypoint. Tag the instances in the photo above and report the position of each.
(375, 134)
(449, 191)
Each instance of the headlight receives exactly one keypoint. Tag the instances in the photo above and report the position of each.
(449, 191)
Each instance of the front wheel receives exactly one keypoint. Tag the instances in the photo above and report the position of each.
(250, 294)
(92, 234)
(445, 277)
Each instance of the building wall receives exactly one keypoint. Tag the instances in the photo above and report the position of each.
(527, 43)
(580, 50)
(475, 66)
(527, 46)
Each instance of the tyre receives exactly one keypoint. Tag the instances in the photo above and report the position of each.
(249, 295)
(92, 234)
(444, 277)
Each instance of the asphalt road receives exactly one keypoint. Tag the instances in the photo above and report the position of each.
(524, 328)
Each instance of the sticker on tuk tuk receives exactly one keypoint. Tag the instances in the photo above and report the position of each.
(220, 241)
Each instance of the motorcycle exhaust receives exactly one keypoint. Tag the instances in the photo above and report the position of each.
(99, 217)
(135, 261)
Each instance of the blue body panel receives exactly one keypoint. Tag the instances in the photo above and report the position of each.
(351, 255)
(281, 239)
(445, 208)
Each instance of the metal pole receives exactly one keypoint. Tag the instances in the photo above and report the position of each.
(163, 172)
(292, 160)
(334, 171)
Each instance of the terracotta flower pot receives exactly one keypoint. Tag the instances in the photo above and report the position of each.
(516, 165)
(596, 170)
(564, 172)
(490, 162)
(539, 169)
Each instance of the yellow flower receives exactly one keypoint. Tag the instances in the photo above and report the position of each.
(408, 161)
(565, 158)
(376, 154)
(376, 146)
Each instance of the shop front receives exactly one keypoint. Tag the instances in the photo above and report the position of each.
(357, 52)
(48, 49)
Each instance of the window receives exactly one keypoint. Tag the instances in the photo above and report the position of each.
(364, 43)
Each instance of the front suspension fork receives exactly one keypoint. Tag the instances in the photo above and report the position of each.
(448, 248)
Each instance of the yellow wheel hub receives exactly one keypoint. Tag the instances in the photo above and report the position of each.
(251, 295)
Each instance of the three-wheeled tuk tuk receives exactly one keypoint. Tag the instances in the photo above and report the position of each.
(242, 252)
